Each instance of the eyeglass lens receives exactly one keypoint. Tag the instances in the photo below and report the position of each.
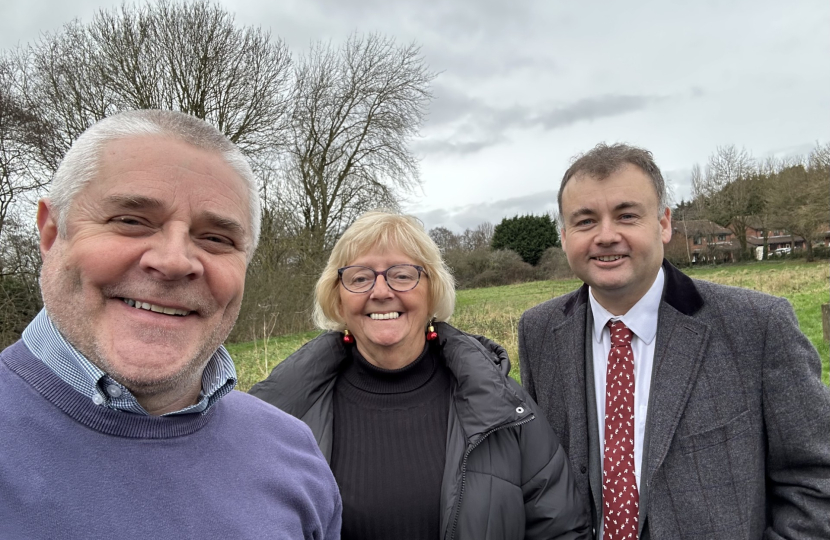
(400, 278)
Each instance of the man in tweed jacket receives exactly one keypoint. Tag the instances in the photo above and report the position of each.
(732, 426)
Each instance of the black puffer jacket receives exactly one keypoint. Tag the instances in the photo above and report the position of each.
(506, 476)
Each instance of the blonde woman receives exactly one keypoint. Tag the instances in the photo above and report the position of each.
(427, 436)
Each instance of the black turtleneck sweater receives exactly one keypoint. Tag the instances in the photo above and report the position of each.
(389, 447)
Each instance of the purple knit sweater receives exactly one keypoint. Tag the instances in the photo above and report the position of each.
(70, 469)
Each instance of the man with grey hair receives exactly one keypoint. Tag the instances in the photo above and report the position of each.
(118, 411)
(688, 409)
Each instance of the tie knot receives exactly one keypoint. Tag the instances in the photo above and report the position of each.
(620, 334)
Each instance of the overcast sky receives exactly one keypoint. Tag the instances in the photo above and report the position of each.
(526, 85)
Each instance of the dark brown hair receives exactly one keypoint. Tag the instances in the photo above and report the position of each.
(603, 160)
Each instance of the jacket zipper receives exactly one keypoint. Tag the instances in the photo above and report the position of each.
(464, 466)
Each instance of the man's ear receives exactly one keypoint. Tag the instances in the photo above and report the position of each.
(47, 224)
(665, 225)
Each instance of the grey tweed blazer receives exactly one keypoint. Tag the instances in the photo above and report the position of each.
(737, 442)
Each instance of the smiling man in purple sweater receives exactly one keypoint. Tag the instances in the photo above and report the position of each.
(118, 415)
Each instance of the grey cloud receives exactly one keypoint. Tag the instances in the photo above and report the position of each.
(472, 64)
(792, 151)
(546, 116)
(469, 12)
(476, 125)
(480, 21)
(438, 147)
(593, 108)
(469, 216)
(449, 105)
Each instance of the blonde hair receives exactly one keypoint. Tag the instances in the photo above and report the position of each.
(383, 231)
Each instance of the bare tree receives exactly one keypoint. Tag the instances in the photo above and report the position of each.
(698, 180)
(820, 157)
(185, 56)
(478, 238)
(445, 239)
(729, 193)
(470, 240)
(799, 194)
(179, 56)
(355, 109)
(22, 134)
(19, 269)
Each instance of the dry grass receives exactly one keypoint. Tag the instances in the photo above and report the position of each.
(774, 277)
(255, 359)
(495, 311)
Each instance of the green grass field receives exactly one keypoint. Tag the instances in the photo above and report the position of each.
(495, 311)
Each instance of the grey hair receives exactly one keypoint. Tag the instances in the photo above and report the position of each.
(80, 164)
(603, 160)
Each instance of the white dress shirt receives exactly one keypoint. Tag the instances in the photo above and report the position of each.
(641, 319)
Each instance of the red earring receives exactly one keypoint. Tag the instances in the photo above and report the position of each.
(432, 335)
(348, 339)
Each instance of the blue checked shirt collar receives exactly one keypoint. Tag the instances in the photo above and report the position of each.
(44, 340)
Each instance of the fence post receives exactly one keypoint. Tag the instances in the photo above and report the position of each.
(825, 321)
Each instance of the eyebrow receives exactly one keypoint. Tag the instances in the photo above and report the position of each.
(225, 223)
(134, 202)
(585, 211)
(142, 202)
(628, 204)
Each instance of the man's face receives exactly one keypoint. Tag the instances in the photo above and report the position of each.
(614, 235)
(148, 281)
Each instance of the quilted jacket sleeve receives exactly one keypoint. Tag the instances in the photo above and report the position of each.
(553, 506)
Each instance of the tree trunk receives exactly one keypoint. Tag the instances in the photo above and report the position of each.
(686, 241)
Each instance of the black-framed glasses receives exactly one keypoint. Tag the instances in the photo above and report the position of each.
(361, 279)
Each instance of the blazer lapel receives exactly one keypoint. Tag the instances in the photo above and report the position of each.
(681, 342)
(567, 345)
(594, 451)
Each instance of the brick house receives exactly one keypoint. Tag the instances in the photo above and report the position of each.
(701, 241)
(825, 236)
(777, 237)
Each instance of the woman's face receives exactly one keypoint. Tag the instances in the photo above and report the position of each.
(388, 326)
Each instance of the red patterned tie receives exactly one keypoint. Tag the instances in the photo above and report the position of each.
(620, 498)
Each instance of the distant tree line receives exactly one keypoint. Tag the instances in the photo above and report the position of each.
(518, 249)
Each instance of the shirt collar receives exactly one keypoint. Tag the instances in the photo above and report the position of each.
(47, 343)
(640, 319)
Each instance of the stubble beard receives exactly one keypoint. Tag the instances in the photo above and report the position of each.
(71, 320)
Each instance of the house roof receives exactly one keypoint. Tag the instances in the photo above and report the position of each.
(697, 227)
(780, 239)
